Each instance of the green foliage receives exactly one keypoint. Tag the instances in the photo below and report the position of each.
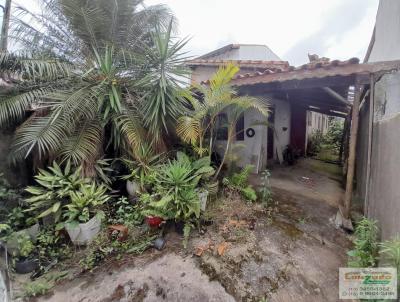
(49, 245)
(104, 246)
(199, 127)
(125, 212)
(36, 288)
(335, 134)
(175, 186)
(239, 182)
(266, 194)
(107, 73)
(365, 249)
(314, 143)
(24, 244)
(54, 191)
(390, 254)
(85, 203)
(141, 167)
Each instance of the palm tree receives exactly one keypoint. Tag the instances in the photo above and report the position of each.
(199, 127)
(96, 75)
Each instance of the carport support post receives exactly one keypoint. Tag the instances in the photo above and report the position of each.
(352, 152)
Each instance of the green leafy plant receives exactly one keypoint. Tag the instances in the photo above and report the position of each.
(18, 218)
(199, 126)
(141, 167)
(175, 196)
(365, 249)
(389, 252)
(36, 288)
(50, 246)
(265, 192)
(85, 203)
(126, 212)
(238, 182)
(54, 191)
(24, 246)
(106, 74)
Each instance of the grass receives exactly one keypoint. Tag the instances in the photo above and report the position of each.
(327, 154)
(335, 171)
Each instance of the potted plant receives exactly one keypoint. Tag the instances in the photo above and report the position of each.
(83, 214)
(24, 259)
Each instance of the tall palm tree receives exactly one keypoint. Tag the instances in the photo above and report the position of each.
(199, 126)
(96, 75)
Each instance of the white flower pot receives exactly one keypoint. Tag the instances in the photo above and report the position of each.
(84, 233)
(203, 199)
(132, 187)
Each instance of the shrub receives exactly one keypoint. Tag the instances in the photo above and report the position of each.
(365, 249)
(85, 203)
(390, 254)
(36, 288)
(54, 191)
(175, 189)
(265, 192)
(239, 182)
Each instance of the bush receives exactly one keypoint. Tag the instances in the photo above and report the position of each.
(365, 249)
(238, 182)
(175, 186)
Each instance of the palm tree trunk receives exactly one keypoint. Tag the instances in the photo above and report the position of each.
(5, 26)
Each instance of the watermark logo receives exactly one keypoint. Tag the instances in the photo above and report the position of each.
(368, 283)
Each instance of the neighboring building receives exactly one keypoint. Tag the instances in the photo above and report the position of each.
(378, 155)
(289, 102)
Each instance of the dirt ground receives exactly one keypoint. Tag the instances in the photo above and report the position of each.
(289, 251)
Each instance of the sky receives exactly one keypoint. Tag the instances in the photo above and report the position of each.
(337, 29)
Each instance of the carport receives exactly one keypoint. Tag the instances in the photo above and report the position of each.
(336, 88)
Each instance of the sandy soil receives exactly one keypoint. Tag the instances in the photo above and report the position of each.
(289, 251)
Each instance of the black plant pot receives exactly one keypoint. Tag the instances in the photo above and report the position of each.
(179, 225)
(26, 266)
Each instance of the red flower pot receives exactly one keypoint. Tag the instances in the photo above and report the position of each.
(154, 221)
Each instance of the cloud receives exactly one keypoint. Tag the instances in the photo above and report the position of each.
(340, 22)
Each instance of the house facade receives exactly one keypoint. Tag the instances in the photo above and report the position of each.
(291, 122)
(378, 155)
(266, 143)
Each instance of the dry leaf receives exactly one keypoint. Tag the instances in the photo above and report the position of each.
(222, 248)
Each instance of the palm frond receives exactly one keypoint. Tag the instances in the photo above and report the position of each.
(83, 144)
(39, 134)
(13, 108)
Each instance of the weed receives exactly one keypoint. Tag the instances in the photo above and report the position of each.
(365, 249)
(36, 288)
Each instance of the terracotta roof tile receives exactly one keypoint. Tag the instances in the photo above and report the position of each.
(282, 67)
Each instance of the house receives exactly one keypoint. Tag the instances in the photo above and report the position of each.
(335, 88)
(378, 155)
(292, 123)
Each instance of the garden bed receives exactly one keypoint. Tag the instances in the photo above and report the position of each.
(286, 252)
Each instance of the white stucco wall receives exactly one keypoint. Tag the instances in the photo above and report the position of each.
(387, 32)
(253, 150)
(383, 188)
(281, 122)
(248, 52)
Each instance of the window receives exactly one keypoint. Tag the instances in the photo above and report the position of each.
(222, 126)
(240, 128)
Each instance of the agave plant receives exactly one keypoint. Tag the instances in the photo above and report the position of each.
(199, 126)
(103, 77)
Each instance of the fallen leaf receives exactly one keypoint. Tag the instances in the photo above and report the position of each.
(222, 248)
